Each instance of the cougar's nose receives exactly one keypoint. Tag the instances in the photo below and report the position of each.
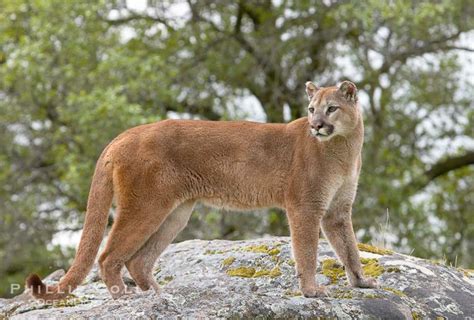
(318, 124)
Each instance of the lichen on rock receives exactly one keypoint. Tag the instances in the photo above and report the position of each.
(228, 261)
(263, 248)
(249, 272)
(372, 268)
(332, 269)
(395, 291)
(244, 272)
(373, 249)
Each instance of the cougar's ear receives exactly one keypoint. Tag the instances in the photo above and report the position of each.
(311, 89)
(348, 90)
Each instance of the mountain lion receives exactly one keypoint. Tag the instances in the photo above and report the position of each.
(158, 171)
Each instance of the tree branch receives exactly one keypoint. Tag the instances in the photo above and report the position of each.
(433, 46)
(449, 164)
(132, 16)
(460, 48)
(441, 168)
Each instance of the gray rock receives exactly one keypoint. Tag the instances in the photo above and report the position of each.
(256, 279)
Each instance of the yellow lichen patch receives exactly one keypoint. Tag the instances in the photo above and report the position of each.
(244, 272)
(274, 252)
(275, 272)
(367, 260)
(213, 252)
(228, 261)
(261, 273)
(370, 248)
(166, 280)
(395, 291)
(342, 294)
(332, 269)
(263, 248)
(373, 268)
(249, 272)
(291, 262)
(371, 296)
(393, 269)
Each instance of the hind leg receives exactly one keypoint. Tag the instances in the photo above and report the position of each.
(140, 266)
(134, 225)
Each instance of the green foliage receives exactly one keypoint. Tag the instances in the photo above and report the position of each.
(74, 74)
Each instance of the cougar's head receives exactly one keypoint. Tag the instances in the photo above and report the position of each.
(332, 111)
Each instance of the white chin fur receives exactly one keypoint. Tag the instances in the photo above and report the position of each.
(321, 132)
(320, 136)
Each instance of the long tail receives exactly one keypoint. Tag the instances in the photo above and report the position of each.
(98, 205)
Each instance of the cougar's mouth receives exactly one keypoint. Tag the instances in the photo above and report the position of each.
(321, 133)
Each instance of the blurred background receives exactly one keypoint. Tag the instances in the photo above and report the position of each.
(74, 74)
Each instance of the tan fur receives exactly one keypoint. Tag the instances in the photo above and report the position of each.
(158, 171)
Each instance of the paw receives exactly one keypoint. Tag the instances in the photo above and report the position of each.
(366, 283)
(315, 292)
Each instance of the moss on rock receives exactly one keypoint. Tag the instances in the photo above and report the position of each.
(263, 248)
(228, 261)
(332, 269)
(367, 260)
(214, 252)
(275, 272)
(244, 272)
(250, 272)
(166, 280)
(371, 296)
(342, 294)
(372, 268)
(373, 249)
(395, 291)
(274, 252)
(393, 269)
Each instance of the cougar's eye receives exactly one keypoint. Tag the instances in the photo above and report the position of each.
(311, 110)
(331, 109)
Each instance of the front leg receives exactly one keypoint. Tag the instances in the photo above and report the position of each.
(304, 229)
(337, 226)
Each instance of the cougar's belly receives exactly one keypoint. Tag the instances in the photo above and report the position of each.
(243, 201)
